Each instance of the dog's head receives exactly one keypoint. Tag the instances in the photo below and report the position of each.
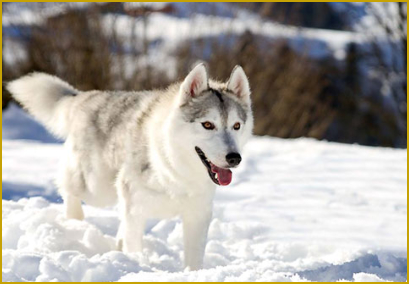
(216, 119)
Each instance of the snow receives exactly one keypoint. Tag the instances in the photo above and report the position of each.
(189, 22)
(182, 31)
(25, 13)
(388, 14)
(17, 124)
(198, 26)
(297, 210)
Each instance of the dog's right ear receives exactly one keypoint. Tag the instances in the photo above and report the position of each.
(194, 83)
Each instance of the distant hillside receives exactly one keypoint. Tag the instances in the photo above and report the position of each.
(332, 16)
(323, 70)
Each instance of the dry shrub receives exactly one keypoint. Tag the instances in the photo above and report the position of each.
(75, 47)
(287, 88)
(72, 47)
(295, 95)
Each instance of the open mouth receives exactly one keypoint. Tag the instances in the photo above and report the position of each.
(219, 176)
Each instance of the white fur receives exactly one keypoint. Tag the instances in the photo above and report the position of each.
(177, 184)
(45, 97)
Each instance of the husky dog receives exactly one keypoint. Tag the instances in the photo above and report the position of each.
(158, 154)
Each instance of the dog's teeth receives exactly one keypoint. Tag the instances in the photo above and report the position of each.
(216, 175)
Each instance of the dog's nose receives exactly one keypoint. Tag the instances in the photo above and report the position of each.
(233, 159)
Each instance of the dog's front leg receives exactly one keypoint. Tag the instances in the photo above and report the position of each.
(132, 226)
(195, 227)
(132, 231)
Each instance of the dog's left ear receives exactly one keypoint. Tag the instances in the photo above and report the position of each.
(239, 84)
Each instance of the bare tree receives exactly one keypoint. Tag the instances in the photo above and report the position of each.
(388, 41)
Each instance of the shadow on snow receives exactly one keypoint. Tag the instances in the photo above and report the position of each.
(385, 266)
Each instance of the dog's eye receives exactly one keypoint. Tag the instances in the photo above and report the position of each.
(208, 125)
(236, 126)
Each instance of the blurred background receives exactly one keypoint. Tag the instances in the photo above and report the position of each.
(333, 71)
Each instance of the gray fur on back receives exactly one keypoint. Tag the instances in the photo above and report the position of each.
(109, 120)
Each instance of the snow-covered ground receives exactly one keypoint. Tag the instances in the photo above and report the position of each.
(297, 210)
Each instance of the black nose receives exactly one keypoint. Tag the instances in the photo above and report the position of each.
(233, 159)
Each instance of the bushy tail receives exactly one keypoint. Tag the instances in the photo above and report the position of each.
(47, 98)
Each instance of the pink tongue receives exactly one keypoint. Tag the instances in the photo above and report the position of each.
(223, 175)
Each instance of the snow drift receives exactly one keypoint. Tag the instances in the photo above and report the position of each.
(299, 210)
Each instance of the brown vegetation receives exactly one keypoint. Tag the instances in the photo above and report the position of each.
(293, 94)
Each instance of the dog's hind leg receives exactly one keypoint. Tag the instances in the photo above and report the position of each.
(71, 186)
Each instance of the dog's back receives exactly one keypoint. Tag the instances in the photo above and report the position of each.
(94, 120)
(96, 125)
(58, 105)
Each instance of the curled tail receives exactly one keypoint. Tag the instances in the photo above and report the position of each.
(47, 98)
